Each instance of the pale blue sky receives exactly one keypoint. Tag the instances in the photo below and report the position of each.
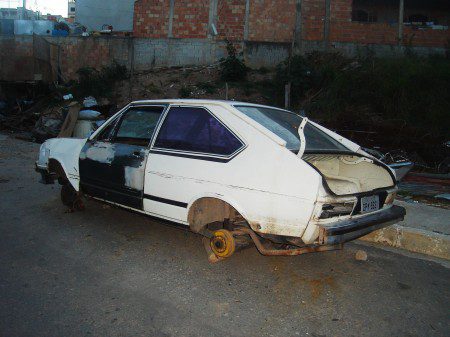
(44, 6)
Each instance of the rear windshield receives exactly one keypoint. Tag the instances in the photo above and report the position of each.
(285, 125)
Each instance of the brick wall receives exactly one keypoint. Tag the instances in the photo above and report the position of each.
(343, 29)
(313, 16)
(95, 52)
(427, 37)
(151, 18)
(274, 21)
(231, 19)
(190, 18)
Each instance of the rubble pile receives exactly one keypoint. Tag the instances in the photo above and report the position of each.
(52, 115)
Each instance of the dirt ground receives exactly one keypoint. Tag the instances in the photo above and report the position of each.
(108, 272)
(201, 82)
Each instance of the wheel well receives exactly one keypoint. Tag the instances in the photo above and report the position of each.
(208, 210)
(55, 167)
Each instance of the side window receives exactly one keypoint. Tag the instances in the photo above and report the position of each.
(196, 130)
(137, 125)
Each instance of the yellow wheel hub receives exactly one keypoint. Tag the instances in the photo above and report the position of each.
(222, 243)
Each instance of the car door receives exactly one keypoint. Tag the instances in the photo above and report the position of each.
(112, 165)
(192, 149)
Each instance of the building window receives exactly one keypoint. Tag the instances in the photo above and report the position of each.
(363, 16)
(431, 13)
(191, 129)
(375, 11)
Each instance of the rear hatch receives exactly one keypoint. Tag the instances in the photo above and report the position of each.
(350, 174)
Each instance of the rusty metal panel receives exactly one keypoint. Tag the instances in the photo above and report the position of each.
(25, 58)
(16, 57)
(42, 65)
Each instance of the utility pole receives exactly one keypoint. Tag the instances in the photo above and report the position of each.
(326, 27)
(24, 8)
(297, 41)
(401, 13)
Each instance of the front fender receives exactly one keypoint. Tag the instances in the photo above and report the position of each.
(66, 151)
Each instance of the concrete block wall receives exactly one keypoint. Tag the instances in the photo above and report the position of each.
(20, 61)
(150, 53)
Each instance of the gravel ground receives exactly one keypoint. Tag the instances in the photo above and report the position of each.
(108, 272)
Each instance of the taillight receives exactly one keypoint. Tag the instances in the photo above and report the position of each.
(336, 209)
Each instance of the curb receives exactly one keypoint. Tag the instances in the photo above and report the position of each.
(412, 239)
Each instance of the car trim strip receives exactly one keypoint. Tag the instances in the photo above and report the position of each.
(191, 156)
(166, 201)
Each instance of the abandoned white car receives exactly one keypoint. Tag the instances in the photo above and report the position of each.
(232, 172)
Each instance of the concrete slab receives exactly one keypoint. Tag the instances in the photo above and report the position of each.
(413, 240)
(421, 216)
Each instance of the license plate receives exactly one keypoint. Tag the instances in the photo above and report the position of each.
(370, 203)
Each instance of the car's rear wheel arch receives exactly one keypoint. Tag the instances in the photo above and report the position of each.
(207, 210)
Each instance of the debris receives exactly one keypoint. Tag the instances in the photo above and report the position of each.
(361, 255)
(396, 160)
(99, 123)
(89, 115)
(83, 128)
(46, 127)
(89, 102)
(401, 169)
(49, 124)
(443, 196)
(70, 121)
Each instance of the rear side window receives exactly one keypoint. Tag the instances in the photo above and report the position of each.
(196, 130)
(285, 125)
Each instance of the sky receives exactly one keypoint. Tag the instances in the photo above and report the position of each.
(44, 6)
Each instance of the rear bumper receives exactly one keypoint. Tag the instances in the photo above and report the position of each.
(348, 230)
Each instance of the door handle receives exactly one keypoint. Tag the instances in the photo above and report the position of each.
(137, 154)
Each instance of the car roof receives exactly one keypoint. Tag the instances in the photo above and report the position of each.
(227, 103)
(205, 101)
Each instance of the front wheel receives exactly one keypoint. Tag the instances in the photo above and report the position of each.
(70, 197)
